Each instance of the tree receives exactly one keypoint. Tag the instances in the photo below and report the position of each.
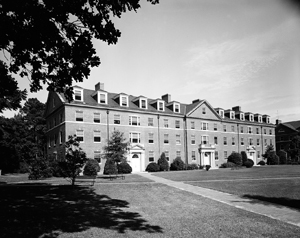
(163, 163)
(235, 158)
(271, 156)
(75, 158)
(51, 42)
(244, 157)
(294, 148)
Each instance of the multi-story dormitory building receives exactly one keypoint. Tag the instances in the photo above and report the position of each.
(196, 132)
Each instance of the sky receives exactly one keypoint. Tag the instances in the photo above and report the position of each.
(231, 53)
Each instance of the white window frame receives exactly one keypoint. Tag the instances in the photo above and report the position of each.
(221, 113)
(150, 121)
(166, 139)
(250, 140)
(163, 106)
(232, 128)
(242, 116)
(97, 134)
(79, 134)
(151, 138)
(178, 139)
(151, 156)
(251, 117)
(193, 155)
(176, 107)
(97, 115)
(141, 103)
(250, 131)
(192, 125)
(133, 120)
(215, 140)
(257, 141)
(233, 141)
(166, 123)
(242, 141)
(177, 124)
(135, 136)
(205, 139)
(167, 154)
(193, 139)
(224, 128)
(260, 119)
(257, 130)
(117, 117)
(232, 115)
(225, 140)
(242, 130)
(96, 153)
(77, 115)
(204, 126)
(126, 101)
(216, 155)
(178, 153)
(268, 120)
(99, 98)
(76, 91)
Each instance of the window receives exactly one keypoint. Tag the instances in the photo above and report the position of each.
(143, 103)
(60, 118)
(257, 130)
(203, 110)
(216, 155)
(249, 130)
(97, 136)
(266, 143)
(204, 140)
(167, 155)
(270, 131)
(258, 154)
(151, 155)
(251, 117)
(204, 126)
(160, 106)
(216, 140)
(193, 139)
(134, 121)
(224, 128)
(271, 142)
(242, 129)
(55, 139)
(259, 119)
(225, 154)
(80, 135)
(151, 138)
(268, 120)
(192, 125)
(193, 155)
(177, 124)
(166, 123)
(265, 131)
(150, 121)
(60, 137)
(221, 113)
(225, 140)
(215, 126)
(78, 95)
(250, 141)
(102, 98)
(178, 153)
(97, 117)
(117, 119)
(79, 115)
(232, 115)
(124, 101)
(242, 117)
(97, 156)
(166, 138)
(176, 107)
(257, 142)
(242, 141)
(134, 137)
(178, 142)
(233, 140)
(232, 128)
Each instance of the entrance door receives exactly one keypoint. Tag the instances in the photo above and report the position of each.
(206, 159)
(136, 163)
(252, 156)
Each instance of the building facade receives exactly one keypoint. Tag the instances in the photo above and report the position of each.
(196, 132)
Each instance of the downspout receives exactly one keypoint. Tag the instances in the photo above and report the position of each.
(262, 141)
(107, 124)
(238, 134)
(158, 135)
(185, 139)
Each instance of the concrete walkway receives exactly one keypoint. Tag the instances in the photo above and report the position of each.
(278, 212)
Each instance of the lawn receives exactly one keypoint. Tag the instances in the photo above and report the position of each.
(125, 210)
(275, 184)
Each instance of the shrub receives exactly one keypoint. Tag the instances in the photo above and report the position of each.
(39, 168)
(163, 163)
(152, 167)
(227, 165)
(191, 167)
(91, 168)
(249, 163)
(261, 162)
(124, 168)
(244, 157)
(201, 166)
(235, 158)
(110, 167)
(177, 164)
(282, 157)
(207, 167)
(272, 159)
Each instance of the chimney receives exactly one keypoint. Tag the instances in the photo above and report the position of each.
(166, 98)
(99, 86)
(278, 121)
(236, 109)
(195, 101)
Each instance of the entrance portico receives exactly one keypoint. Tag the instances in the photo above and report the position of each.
(207, 155)
(136, 157)
(251, 153)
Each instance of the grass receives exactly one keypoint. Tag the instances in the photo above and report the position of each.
(126, 210)
(275, 184)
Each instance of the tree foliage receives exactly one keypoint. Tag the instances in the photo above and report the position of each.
(75, 158)
(51, 41)
(294, 148)
(235, 158)
(163, 163)
(271, 156)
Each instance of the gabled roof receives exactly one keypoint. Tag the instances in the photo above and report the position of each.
(294, 125)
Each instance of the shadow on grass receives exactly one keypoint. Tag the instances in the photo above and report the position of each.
(279, 201)
(43, 210)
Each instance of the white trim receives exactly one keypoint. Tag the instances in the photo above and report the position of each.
(174, 107)
(146, 103)
(99, 96)
(81, 94)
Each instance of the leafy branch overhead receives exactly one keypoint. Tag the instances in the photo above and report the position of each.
(51, 41)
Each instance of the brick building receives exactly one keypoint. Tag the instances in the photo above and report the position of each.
(196, 132)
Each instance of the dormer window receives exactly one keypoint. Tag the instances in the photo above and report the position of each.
(176, 107)
(78, 95)
(242, 117)
(221, 113)
(124, 101)
(232, 116)
(102, 98)
(268, 120)
(160, 106)
(259, 119)
(251, 118)
(143, 103)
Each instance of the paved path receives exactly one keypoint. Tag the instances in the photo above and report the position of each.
(278, 212)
